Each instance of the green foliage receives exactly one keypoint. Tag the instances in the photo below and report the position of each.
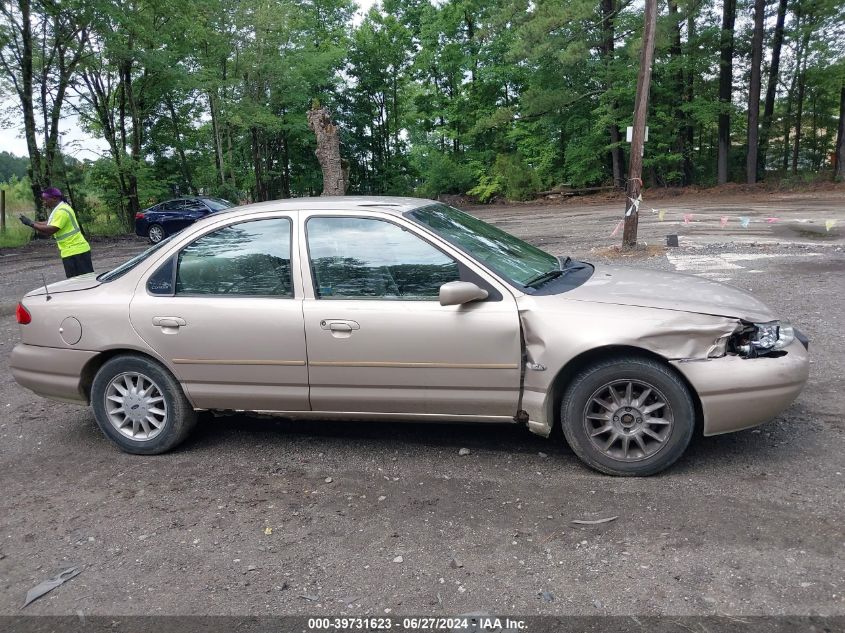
(518, 180)
(490, 97)
(18, 195)
(487, 189)
(441, 173)
(11, 165)
(16, 234)
(18, 200)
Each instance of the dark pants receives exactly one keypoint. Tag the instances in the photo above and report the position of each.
(76, 265)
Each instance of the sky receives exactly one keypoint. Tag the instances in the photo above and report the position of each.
(74, 140)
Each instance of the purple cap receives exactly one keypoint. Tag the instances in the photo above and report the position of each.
(52, 192)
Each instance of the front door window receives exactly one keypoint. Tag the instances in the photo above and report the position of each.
(364, 258)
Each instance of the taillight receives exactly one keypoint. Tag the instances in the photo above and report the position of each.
(22, 315)
(139, 215)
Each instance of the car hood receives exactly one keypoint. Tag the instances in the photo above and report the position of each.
(82, 282)
(670, 291)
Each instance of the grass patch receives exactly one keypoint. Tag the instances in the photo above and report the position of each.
(106, 226)
(16, 234)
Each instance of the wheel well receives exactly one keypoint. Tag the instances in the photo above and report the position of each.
(93, 366)
(599, 354)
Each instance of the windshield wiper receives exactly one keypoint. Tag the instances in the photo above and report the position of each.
(544, 277)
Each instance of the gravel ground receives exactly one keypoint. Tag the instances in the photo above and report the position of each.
(263, 516)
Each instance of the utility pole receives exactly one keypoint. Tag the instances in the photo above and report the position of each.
(635, 172)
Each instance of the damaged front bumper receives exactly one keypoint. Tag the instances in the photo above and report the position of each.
(739, 393)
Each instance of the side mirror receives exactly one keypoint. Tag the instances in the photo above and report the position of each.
(459, 292)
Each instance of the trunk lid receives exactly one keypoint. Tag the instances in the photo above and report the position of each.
(82, 282)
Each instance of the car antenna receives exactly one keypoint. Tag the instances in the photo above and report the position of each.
(46, 289)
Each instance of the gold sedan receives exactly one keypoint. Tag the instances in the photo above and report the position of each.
(403, 309)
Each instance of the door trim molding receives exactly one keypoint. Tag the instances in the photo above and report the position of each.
(357, 416)
(214, 361)
(388, 364)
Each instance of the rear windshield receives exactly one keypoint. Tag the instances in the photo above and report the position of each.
(218, 204)
(127, 266)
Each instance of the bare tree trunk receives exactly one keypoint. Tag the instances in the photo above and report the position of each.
(134, 203)
(635, 183)
(771, 90)
(754, 91)
(680, 115)
(260, 193)
(814, 137)
(285, 166)
(839, 172)
(231, 154)
(725, 88)
(180, 145)
(215, 131)
(689, 95)
(608, 9)
(799, 112)
(787, 122)
(335, 177)
(34, 170)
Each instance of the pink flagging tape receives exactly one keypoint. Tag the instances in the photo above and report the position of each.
(618, 226)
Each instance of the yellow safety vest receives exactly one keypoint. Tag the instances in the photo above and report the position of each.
(69, 237)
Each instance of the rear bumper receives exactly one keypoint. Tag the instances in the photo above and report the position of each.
(739, 393)
(51, 372)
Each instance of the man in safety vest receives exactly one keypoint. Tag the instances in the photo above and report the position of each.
(64, 227)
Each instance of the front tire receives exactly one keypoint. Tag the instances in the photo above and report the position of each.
(628, 416)
(140, 406)
(156, 233)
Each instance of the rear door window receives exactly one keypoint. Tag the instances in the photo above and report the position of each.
(250, 259)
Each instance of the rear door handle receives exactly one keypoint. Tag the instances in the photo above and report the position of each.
(169, 321)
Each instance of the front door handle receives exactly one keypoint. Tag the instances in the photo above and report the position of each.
(169, 321)
(339, 328)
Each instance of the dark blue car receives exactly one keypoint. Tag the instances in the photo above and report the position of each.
(169, 217)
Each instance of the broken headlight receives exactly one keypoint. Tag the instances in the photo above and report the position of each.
(757, 339)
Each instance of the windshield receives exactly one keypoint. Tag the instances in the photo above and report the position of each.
(508, 255)
(127, 266)
(218, 204)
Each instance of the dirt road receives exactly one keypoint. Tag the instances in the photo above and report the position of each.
(257, 516)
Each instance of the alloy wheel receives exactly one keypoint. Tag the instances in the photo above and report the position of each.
(136, 406)
(628, 420)
(156, 234)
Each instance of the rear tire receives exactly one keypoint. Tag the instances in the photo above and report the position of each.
(156, 233)
(140, 406)
(628, 416)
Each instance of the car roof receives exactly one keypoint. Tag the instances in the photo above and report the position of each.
(394, 205)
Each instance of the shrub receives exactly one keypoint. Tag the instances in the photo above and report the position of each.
(441, 173)
(488, 187)
(518, 180)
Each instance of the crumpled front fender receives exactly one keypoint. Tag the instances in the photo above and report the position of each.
(555, 337)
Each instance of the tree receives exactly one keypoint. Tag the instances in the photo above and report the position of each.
(335, 176)
(41, 61)
(609, 10)
(726, 54)
(754, 91)
(839, 173)
(771, 89)
(629, 235)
